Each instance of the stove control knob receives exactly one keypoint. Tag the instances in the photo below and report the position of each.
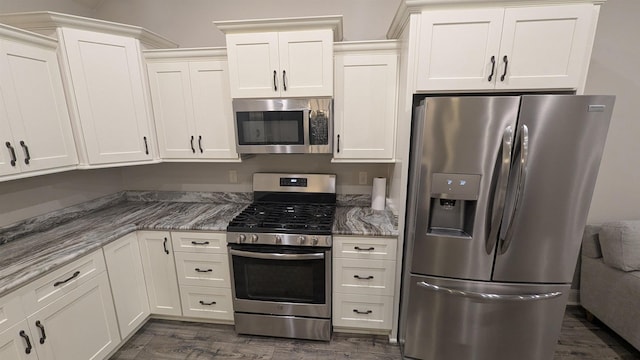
(254, 238)
(278, 239)
(241, 238)
(302, 240)
(314, 241)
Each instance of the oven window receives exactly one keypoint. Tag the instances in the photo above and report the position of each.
(270, 127)
(296, 281)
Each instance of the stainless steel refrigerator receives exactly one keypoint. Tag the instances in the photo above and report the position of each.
(500, 189)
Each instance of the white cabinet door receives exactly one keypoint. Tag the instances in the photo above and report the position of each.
(35, 106)
(9, 164)
(545, 47)
(160, 272)
(173, 109)
(212, 112)
(281, 64)
(192, 107)
(81, 325)
(306, 63)
(457, 47)
(365, 107)
(253, 65)
(126, 277)
(106, 71)
(17, 343)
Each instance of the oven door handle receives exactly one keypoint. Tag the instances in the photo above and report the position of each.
(271, 256)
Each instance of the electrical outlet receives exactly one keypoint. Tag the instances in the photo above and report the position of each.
(362, 178)
(233, 176)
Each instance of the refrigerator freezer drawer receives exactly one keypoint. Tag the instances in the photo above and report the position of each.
(456, 319)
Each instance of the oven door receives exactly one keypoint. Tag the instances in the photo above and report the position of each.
(281, 280)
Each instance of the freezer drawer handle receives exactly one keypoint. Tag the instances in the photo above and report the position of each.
(362, 312)
(370, 277)
(489, 297)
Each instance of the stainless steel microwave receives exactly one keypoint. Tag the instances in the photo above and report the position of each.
(283, 126)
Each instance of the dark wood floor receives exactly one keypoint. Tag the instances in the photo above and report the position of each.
(161, 339)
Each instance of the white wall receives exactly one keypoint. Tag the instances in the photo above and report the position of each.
(63, 6)
(25, 198)
(189, 22)
(615, 69)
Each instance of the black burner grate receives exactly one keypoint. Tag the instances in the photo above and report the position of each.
(312, 219)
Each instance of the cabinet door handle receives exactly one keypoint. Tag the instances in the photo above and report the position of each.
(338, 143)
(12, 153)
(199, 243)
(506, 64)
(164, 245)
(362, 312)
(284, 80)
(75, 275)
(203, 271)
(207, 303)
(26, 338)
(362, 277)
(27, 157)
(41, 327)
(363, 249)
(146, 145)
(493, 67)
(200, 143)
(193, 149)
(275, 77)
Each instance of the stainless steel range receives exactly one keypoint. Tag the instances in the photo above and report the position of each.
(280, 256)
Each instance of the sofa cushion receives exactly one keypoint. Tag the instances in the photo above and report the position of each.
(590, 242)
(620, 244)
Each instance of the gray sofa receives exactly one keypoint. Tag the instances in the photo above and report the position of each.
(610, 276)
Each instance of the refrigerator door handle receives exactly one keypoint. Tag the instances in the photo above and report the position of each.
(522, 177)
(489, 297)
(501, 189)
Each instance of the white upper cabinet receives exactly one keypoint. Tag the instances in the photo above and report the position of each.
(265, 61)
(105, 85)
(530, 47)
(192, 105)
(366, 102)
(35, 127)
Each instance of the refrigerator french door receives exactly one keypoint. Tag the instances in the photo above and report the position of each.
(500, 188)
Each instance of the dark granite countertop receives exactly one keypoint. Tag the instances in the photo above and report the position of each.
(31, 248)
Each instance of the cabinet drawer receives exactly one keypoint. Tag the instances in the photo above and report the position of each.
(56, 284)
(199, 242)
(203, 269)
(206, 302)
(364, 248)
(353, 276)
(10, 311)
(362, 311)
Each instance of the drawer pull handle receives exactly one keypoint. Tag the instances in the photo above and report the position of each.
(200, 270)
(26, 338)
(363, 249)
(27, 157)
(75, 275)
(363, 278)
(207, 303)
(41, 327)
(200, 243)
(362, 312)
(146, 145)
(164, 245)
(12, 153)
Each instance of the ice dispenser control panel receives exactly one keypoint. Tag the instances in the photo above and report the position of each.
(455, 186)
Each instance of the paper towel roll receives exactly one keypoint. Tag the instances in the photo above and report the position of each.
(378, 193)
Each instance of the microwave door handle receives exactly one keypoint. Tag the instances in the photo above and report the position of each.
(306, 127)
(272, 256)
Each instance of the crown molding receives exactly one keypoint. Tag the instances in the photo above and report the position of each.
(333, 22)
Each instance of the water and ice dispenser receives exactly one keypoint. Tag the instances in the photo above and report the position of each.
(453, 204)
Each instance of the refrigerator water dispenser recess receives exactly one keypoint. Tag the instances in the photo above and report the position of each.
(453, 204)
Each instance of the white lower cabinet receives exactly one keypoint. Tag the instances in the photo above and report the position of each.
(159, 272)
(16, 343)
(363, 282)
(202, 265)
(126, 277)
